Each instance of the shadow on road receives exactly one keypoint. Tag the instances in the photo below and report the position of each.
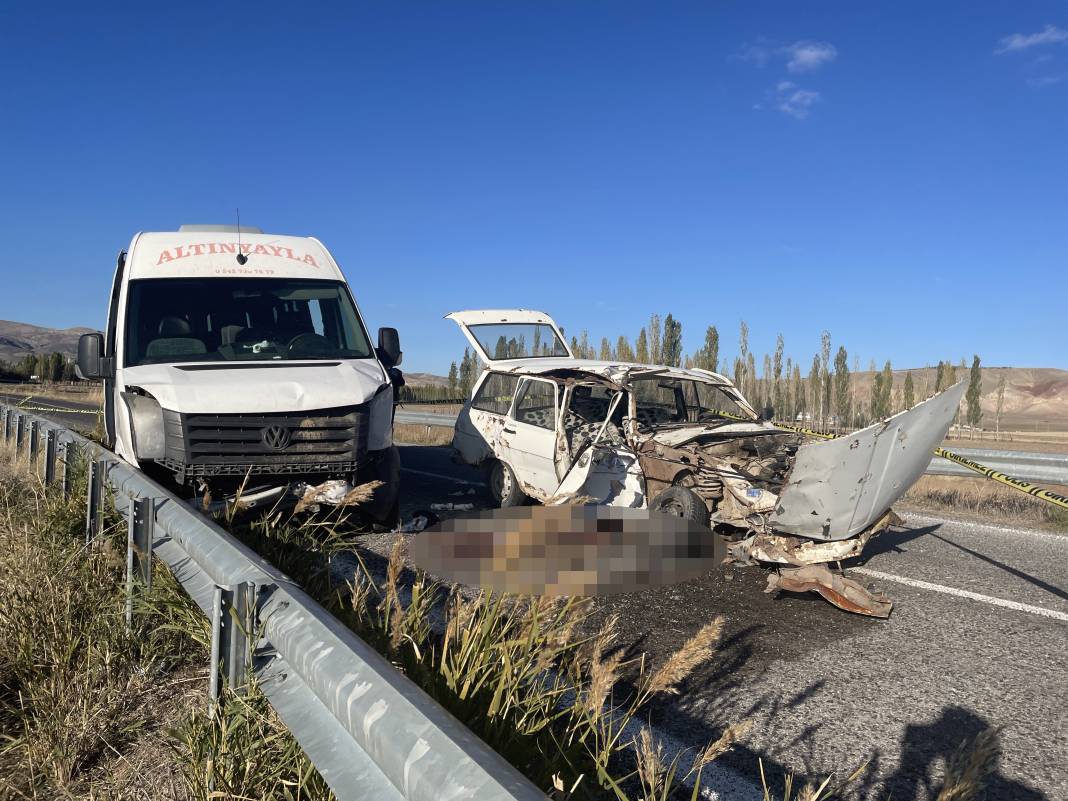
(1008, 569)
(891, 541)
(926, 749)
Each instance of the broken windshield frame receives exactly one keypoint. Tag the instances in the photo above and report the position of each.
(661, 401)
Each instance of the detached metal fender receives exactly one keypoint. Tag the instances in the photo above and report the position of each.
(838, 488)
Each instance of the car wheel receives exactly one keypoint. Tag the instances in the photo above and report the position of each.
(681, 502)
(504, 487)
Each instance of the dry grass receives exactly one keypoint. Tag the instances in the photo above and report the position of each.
(433, 408)
(969, 766)
(981, 497)
(240, 749)
(89, 710)
(412, 434)
(93, 393)
(514, 670)
(1053, 442)
(84, 704)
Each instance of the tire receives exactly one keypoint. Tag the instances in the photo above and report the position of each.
(503, 486)
(681, 502)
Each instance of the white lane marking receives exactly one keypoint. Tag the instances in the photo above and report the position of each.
(443, 477)
(960, 521)
(973, 596)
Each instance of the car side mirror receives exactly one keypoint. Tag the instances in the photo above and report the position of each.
(389, 350)
(91, 360)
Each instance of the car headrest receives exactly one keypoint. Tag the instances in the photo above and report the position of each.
(173, 327)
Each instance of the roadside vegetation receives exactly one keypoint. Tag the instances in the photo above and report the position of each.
(84, 703)
(985, 499)
(91, 710)
(832, 395)
(411, 434)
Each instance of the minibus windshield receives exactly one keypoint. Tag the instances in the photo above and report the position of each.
(241, 319)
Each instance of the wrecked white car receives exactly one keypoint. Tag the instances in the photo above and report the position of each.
(561, 430)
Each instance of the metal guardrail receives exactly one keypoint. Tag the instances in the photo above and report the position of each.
(370, 731)
(1047, 468)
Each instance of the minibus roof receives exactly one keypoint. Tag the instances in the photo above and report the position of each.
(198, 253)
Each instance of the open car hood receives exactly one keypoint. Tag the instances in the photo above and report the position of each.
(503, 317)
(840, 487)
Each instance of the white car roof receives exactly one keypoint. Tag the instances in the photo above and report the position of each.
(609, 369)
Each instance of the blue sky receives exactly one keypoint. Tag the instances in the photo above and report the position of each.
(895, 173)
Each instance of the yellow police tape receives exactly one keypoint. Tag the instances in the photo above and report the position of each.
(1035, 492)
(53, 409)
(1023, 486)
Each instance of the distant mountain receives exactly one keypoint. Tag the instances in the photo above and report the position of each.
(22, 339)
(1035, 397)
(425, 380)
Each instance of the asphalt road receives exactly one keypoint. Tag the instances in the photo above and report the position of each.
(978, 638)
(80, 417)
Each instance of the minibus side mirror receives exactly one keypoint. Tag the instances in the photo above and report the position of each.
(389, 350)
(91, 360)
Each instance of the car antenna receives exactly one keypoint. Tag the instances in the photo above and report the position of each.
(241, 257)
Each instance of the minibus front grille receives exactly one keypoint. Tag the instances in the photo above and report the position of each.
(324, 440)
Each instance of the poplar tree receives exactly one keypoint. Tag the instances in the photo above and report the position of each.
(655, 341)
(744, 357)
(671, 347)
(765, 382)
(468, 371)
(885, 398)
(606, 350)
(454, 380)
(798, 395)
(710, 353)
(813, 402)
(910, 391)
(825, 374)
(623, 350)
(841, 386)
(641, 351)
(777, 393)
(584, 345)
(974, 394)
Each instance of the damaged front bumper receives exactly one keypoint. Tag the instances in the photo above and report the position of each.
(374, 493)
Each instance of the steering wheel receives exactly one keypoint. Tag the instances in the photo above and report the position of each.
(310, 343)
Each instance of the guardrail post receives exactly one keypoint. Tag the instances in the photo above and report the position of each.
(94, 507)
(232, 618)
(31, 451)
(67, 449)
(19, 424)
(50, 457)
(141, 518)
(5, 418)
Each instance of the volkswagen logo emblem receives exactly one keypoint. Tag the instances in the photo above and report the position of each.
(275, 437)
